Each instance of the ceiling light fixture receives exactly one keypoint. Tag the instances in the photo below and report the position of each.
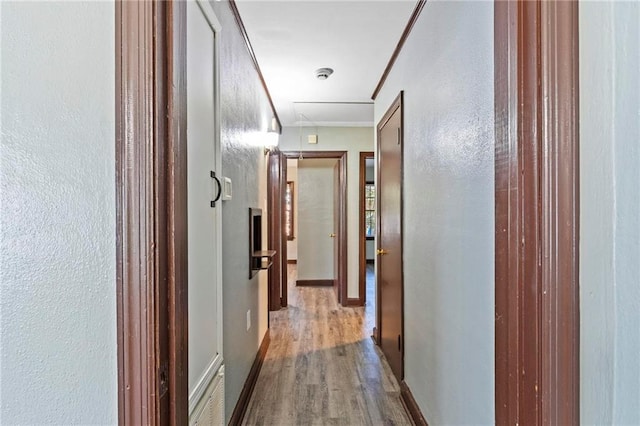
(323, 73)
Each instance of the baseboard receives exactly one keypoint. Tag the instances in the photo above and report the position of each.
(354, 301)
(411, 405)
(292, 261)
(316, 283)
(245, 396)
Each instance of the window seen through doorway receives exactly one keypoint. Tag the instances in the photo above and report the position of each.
(370, 209)
(288, 200)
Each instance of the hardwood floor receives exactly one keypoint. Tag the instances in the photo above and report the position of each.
(322, 367)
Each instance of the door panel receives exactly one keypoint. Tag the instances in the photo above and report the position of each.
(389, 258)
(277, 275)
(316, 220)
(203, 219)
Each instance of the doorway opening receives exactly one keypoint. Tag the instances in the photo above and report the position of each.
(313, 237)
(367, 231)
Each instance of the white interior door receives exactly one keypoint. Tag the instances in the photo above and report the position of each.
(315, 219)
(204, 221)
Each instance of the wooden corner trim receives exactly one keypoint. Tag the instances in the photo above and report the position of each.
(411, 405)
(403, 38)
(151, 231)
(137, 239)
(537, 213)
(247, 390)
(252, 54)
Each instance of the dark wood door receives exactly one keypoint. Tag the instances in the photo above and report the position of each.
(389, 252)
(275, 199)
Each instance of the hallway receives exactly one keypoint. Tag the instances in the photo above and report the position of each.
(322, 366)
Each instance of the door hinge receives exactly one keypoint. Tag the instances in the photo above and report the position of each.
(163, 379)
(399, 343)
(399, 138)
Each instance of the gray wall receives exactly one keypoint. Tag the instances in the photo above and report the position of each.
(353, 140)
(446, 71)
(609, 212)
(245, 115)
(57, 246)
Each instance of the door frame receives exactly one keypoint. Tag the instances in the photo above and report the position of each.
(362, 238)
(151, 212)
(276, 231)
(398, 103)
(537, 213)
(274, 173)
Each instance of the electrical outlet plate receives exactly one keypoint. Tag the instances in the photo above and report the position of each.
(313, 139)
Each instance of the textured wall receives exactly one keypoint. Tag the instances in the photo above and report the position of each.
(609, 213)
(353, 140)
(245, 115)
(57, 175)
(446, 72)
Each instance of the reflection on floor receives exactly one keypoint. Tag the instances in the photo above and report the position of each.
(322, 366)
(370, 304)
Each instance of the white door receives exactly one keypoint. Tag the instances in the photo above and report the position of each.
(315, 219)
(204, 220)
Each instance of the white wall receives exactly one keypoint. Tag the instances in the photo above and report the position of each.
(316, 219)
(446, 72)
(292, 176)
(609, 212)
(353, 140)
(57, 245)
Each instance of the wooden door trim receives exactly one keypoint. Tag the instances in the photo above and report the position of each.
(362, 239)
(151, 229)
(245, 36)
(537, 212)
(275, 229)
(341, 156)
(396, 52)
(397, 104)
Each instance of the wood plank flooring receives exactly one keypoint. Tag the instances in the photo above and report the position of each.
(322, 367)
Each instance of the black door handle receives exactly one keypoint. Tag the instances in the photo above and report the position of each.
(213, 175)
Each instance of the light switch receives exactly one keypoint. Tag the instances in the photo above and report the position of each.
(313, 138)
(227, 190)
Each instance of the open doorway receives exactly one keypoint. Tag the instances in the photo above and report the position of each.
(313, 243)
(367, 230)
(317, 253)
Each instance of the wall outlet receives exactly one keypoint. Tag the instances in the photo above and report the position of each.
(248, 319)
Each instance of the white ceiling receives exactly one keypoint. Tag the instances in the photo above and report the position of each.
(293, 38)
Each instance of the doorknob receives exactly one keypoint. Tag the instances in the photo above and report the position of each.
(381, 252)
(332, 235)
